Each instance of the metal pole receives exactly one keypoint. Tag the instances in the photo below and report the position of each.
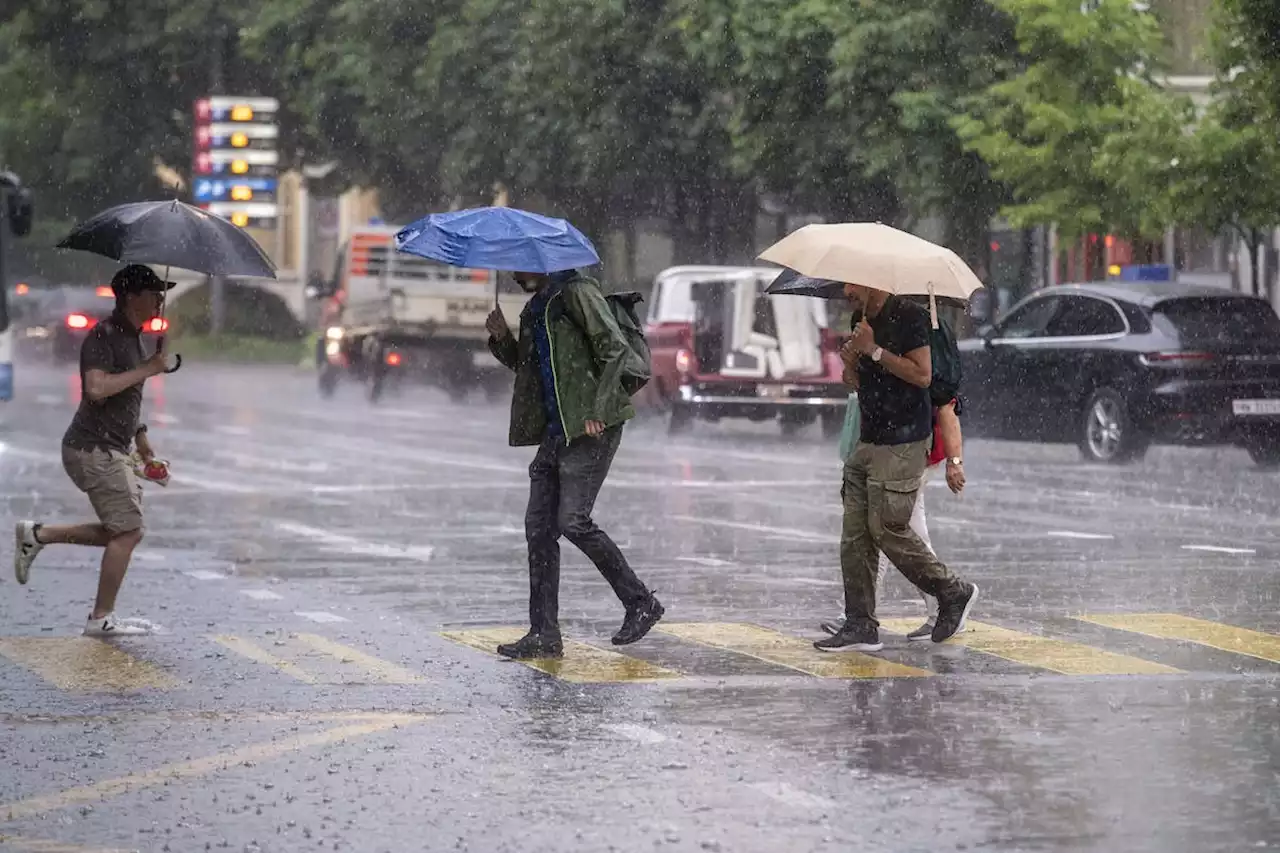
(4, 254)
(304, 233)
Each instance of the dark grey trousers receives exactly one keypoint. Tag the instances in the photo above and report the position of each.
(564, 482)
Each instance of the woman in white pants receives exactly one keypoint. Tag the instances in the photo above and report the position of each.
(948, 444)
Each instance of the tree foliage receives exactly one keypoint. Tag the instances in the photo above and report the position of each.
(1070, 132)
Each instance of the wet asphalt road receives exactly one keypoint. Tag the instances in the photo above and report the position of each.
(324, 576)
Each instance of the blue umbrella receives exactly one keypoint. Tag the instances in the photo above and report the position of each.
(498, 238)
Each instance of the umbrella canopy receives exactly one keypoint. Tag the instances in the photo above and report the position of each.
(172, 234)
(498, 238)
(874, 256)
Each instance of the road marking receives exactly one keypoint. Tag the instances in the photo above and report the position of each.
(45, 845)
(321, 616)
(709, 562)
(1074, 534)
(166, 774)
(352, 545)
(1060, 656)
(256, 653)
(205, 575)
(791, 532)
(387, 673)
(84, 664)
(1218, 549)
(262, 594)
(163, 418)
(1172, 626)
(784, 650)
(793, 796)
(581, 664)
(639, 734)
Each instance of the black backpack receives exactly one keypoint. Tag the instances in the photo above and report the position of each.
(945, 355)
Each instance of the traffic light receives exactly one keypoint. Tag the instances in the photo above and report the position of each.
(235, 159)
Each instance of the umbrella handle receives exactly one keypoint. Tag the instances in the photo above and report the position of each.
(177, 364)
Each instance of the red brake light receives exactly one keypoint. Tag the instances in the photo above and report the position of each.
(684, 361)
(22, 289)
(1175, 358)
(79, 321)
(393, 359)
(105, 290)
(157, 324)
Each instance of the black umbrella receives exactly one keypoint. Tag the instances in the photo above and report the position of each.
(791, 283)
(175, 235)
(172, 234)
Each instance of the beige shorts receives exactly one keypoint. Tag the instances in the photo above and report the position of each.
(107, 477)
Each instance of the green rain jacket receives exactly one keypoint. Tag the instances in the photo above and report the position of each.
(587, 357)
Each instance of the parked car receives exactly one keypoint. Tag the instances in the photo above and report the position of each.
(721, 348)
(1117, 366)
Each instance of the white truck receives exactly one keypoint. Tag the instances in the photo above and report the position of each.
(389, 317)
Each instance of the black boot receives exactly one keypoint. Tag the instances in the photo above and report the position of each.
(533, 646)
(638, 621)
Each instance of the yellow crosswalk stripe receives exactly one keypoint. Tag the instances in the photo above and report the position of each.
(84, 664)
(1061, 656)
(383, 671)
(786, 651)
(258, 654)
(1171, 626)
(313, 659)
(581, 664)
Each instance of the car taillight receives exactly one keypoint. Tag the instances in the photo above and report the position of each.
(105, 291)
(684, 361)
(79, 321)
(157, 324)
(1176, 359)
(393, 359)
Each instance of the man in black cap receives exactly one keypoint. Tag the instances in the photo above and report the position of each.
(96, 447)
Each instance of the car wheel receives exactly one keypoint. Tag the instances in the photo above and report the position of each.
(1265, 453)
(681, 419)
(1108, 433)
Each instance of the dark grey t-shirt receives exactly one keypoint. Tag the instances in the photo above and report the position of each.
(114, 346)
(894, 411)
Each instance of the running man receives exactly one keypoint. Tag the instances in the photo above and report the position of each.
(96, 447)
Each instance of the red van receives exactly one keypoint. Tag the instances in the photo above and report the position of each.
(722, 348)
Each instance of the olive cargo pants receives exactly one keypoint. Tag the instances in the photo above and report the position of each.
(881, 482)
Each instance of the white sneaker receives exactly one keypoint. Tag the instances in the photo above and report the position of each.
(110, 627)
(25, 549)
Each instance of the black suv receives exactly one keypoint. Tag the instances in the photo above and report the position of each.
(1114, 366)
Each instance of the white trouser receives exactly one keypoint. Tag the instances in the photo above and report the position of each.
(919, 527)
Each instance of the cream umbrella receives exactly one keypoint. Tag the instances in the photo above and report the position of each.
(875, 256)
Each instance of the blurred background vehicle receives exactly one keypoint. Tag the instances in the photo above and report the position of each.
(52, 323)
(1116, 366)
(721, 348)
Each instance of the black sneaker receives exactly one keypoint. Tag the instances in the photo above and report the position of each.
(533, 646)
(861, 637)
(638, 622)
(953, 611)
(924, 632)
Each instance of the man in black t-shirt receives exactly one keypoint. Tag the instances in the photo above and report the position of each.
(888, 361)
(96, 447)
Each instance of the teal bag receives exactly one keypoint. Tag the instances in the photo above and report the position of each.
(852, 429)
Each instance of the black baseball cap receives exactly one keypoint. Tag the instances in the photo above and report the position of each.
(137, 278)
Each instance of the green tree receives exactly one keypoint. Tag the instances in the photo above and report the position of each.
(1071, 133)
(902, 73)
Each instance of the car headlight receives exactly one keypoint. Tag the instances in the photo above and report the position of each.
(334, 333)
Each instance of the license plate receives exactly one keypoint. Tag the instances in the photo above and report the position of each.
(773, 391)
(1255, 407)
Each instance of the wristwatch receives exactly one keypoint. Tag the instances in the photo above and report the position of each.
(955, 460)
(876, 353)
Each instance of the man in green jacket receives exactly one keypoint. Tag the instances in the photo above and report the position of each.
(569, 400)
